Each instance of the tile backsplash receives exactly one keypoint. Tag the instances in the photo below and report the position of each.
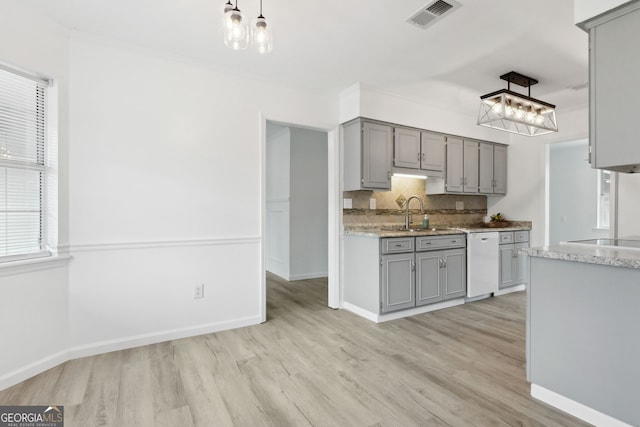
(390, 205)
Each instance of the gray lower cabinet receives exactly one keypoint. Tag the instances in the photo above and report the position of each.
(440, 275)
(513, 267)
(398, 282)
(432, 272)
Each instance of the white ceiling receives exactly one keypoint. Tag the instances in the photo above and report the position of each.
(328, 45)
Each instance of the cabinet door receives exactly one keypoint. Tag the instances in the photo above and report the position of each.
(429, 269)
(506, 266)
(432, 152)
(521, 275)
(377, 152)
(470, 172)
(454, 279)
(614, 92)
(485, 172)
(453, 176)
(500, 169)
(406, 148)
(398, 282)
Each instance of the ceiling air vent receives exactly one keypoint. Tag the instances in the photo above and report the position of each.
(432, 12)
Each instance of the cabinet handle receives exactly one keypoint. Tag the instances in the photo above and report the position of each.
(418, 157)
(423, 157)
(398, 245)
(388, 174)
(461, 181)
(413, 266)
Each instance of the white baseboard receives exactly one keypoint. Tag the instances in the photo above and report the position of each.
(379, 318)
(308, 276)
(574, 408)
(93, 349)
(157, 337)
(505, 291)
(32, 369)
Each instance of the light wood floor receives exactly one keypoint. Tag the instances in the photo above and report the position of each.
(310, 365)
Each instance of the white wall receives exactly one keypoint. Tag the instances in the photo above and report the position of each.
(33, 302)
(278, 174)
(586, 9)
(573, 194)
(309, 204)
(628, 205)
(297, 205)
(166, 194)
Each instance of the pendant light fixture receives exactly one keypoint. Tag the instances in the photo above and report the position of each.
(261, 37)
(512, 112)
(236, 31)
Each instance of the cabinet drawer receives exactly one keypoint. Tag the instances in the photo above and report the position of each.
(506, 237)
(397, 245)
(428, 243)
(521, 236)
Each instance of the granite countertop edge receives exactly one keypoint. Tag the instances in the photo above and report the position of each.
(627, 258)
(395, 230)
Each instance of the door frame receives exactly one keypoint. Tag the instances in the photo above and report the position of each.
(334, 173)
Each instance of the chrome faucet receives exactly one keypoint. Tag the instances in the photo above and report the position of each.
(407, 218)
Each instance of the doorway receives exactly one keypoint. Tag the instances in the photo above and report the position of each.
(575, 195)
(300, 204)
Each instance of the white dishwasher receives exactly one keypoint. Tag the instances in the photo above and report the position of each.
(482, 263)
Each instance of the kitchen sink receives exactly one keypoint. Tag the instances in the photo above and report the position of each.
(413, 230)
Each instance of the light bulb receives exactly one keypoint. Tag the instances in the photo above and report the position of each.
(261, 38)
(235, 30)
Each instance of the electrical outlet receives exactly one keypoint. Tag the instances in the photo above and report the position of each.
(372, 203)
(459, 206)
(348, 203)
(198, 291)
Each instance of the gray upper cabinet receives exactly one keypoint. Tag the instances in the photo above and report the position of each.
(492, 168)
(485, 179)
(614, 66)
(432, 157)
(499, 169)
(368, 152)
(454, 178)
(470, 168)
(406, 148)
(418, 151)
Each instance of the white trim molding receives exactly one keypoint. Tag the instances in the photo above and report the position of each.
(509, 290)
(92, 247)
(574, 408)
(379, 318)
(33, 369)
(11, 268)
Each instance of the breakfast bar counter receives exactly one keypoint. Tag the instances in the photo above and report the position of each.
(583, 331)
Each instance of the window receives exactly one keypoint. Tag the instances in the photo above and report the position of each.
(24, 166)
(604, 190)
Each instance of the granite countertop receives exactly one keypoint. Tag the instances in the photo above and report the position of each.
(591, 254)
(397, 230)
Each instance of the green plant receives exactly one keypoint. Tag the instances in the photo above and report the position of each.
(497, 217)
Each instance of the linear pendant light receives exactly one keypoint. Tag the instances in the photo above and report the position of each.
(512, 112)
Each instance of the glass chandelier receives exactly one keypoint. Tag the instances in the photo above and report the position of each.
(236, 31)
(512, 112)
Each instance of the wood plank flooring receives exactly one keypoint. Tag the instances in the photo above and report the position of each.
(309, 365)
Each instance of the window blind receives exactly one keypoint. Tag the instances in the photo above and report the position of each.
(22, 165)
